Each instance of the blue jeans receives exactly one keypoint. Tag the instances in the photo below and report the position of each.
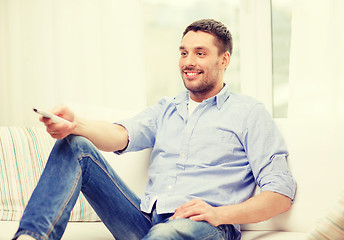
(75, 165)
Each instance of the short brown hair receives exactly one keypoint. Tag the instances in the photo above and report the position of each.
(217, 29)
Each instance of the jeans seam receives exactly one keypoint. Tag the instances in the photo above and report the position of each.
(86, 155)
(64, 205)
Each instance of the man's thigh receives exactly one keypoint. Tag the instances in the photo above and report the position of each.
(186, 229)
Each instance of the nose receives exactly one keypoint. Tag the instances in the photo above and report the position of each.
(190, 60)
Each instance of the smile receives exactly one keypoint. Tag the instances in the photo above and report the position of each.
(192, 75)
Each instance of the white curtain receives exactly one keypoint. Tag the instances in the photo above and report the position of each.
(53, 52)
(317, 60)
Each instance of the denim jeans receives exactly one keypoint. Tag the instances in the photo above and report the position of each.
(75, 165)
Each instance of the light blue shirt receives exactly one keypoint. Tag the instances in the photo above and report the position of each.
(218, 154)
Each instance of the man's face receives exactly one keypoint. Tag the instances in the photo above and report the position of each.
(201, 65)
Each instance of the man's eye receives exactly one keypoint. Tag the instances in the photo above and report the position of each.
(200, 53)
(183, 53)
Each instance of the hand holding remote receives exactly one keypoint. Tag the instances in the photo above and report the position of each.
(59, 121)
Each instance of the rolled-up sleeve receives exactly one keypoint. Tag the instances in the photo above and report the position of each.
(267, 153)
(142, 128)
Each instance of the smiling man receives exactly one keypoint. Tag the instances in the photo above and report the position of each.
(210, 148)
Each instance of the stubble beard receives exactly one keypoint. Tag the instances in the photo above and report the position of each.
(203, 86)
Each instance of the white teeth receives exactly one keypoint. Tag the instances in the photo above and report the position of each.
(191, 74)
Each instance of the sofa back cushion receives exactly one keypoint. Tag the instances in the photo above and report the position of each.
(316, 162)
(23, 155)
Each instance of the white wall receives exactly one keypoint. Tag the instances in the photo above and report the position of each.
(69, 51)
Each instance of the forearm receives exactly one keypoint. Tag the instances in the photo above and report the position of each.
(256, 209)
(104, 135)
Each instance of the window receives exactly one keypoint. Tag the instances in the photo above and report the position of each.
(259, 69)
(281, 30)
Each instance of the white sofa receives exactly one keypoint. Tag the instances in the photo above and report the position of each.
(316, 162)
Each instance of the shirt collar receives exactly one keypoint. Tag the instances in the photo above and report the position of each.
(222, 96)
(219, 99)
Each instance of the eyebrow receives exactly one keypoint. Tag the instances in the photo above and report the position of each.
(196, 48)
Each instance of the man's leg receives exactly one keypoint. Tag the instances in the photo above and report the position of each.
(186, 229)
(73, 165)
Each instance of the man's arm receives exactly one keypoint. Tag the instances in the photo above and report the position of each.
(256, 209)
(105, 136)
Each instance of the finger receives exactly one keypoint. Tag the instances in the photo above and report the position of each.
(60, 130)
(51, 127)
(192, 212)
(199, 218)
(58, 135)
(181, 211)
(63, 112)
(188, 212)
(187, 205)
(45, 120)
(63, 128)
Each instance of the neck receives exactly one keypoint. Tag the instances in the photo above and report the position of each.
(200, 96)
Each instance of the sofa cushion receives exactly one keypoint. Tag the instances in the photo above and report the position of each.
(272, 235)
(23, 155)
(74, 231)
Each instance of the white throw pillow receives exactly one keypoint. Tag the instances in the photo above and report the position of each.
(330, 226)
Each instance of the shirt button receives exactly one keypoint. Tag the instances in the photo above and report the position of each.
(169, 187)
(183, 155)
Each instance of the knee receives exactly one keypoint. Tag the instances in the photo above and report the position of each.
(77, 142)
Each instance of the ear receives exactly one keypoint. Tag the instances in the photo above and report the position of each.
(226, 57)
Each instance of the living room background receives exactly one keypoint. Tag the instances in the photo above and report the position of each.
(124, 54)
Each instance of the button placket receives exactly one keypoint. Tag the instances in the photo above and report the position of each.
(187, 134)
